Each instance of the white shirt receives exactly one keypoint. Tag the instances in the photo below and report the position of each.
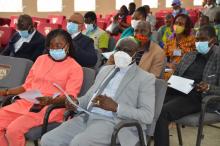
(110, 91)
(75, 34)
(20, 42)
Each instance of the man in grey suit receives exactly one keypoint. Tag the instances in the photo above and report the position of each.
(121, 91)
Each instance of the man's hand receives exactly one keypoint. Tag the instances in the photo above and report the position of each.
(70, 106)
(105, 102)
(111, 60)
(44, 100)
(202, 87)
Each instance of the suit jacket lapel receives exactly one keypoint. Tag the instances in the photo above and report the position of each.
(127, 78)
(187, 63)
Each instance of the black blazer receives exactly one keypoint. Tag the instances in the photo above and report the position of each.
(30, 50)
(85, 53)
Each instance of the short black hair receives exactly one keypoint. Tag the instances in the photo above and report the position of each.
(204, 17)
(208, 30)
(60, 32)
(188, 24)
(90, 15)
(133, 5)
(142, 11)
(24, 20)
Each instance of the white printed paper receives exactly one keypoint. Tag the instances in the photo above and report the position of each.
(31, 95)
(181, 84)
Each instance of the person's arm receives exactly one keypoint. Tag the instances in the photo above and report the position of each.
(158, 64)
(146, 104)
(12, 91)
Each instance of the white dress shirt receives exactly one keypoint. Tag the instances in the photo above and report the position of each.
(20, 42)
(110, 91)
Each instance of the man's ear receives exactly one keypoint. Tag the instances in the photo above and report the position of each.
(213, 41)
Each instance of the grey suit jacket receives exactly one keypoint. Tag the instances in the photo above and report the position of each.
(135, 96)
(211, 73)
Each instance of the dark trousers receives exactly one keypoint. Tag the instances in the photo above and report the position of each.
(175, 107)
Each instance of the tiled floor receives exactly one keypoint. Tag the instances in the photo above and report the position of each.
(212, 137)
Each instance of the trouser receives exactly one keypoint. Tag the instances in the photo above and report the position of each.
(175, 107)
(13, 126)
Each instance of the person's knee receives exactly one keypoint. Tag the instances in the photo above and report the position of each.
(46, 140)
(13, 132)
(79, 140)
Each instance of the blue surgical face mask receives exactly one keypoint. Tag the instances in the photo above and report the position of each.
(89, 27)
(72, 27)
(23, 33)
(57, 54)
(202, 47)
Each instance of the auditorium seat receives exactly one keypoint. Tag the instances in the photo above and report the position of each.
(5, 21)
(5, 35)
(38, 20)
(56, 19)
(45, 28)
(14, 20)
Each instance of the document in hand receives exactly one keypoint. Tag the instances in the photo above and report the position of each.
(108, 54)
(31, 95)
(181, 84)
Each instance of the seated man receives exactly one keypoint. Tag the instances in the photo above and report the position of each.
(85, 53)
(210, 10)
(149, 56)
(177, 9)
(27, 43)
(115, 96)
(100, 37)
(138, 15)
(202, 66)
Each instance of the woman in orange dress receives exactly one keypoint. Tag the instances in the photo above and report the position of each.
(54, 67)
(181, 42)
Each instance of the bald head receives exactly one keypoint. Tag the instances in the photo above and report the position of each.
(78, 19)
(128, 45)
(143, 28)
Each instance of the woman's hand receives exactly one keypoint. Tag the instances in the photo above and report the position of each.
(70, 106)
(44, 100)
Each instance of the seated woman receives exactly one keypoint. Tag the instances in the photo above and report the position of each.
(181, 42)
(55, 67)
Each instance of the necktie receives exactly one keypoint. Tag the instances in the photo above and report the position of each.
(103, 86)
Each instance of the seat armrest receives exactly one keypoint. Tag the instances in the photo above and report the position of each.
(8, 100)
(47, 115)
(69, 114)
(127, 123)
(210, 98)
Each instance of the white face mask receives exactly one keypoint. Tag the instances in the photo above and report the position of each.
(134, 23)
(122, 59)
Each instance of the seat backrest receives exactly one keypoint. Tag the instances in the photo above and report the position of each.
(88, 80)
(160, 90)
(13, 71)
(6, 34)
(45, 28)
(14, 21)
(56, 19)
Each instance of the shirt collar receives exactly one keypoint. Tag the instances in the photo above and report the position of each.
(75, 35)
